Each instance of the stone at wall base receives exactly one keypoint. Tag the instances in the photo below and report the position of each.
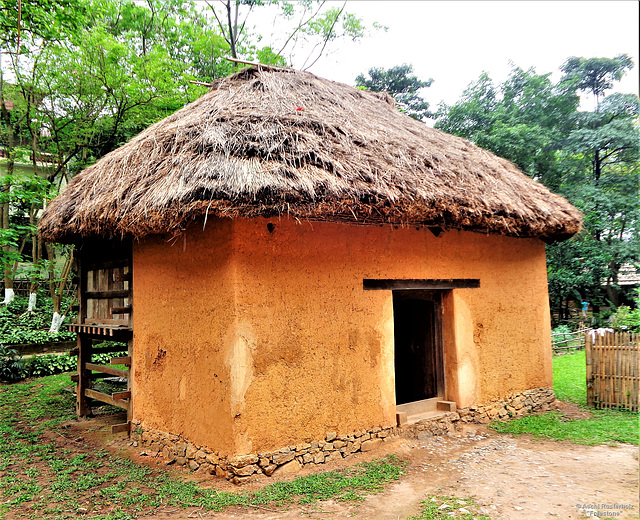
(290, 459)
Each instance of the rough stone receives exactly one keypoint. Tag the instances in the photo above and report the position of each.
(339, 444)
(182, 449)
(334, 455)
(191, 451)
(289, 468)
(245, 471)
(328, 447)
(318, 458)
(307, 458)
(370, 444)
(283, 458)
(204, 469)
(268, 471)
(193, 465)
(243, 460)
(181, 461)
(238, 481)
(200, 456)
(331, 436)
(212, 458)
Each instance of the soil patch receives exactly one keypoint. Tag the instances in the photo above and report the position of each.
(512, 478)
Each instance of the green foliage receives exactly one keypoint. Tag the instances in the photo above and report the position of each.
(17, 326)
(444, 507)
(11, 365)
(590, 157)
(49, 364)
(627, 319)
(524, 120)
(596, 75)
(46, 19)
(604, 427)
(402, 85)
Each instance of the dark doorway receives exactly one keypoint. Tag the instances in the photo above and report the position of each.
(418, 345)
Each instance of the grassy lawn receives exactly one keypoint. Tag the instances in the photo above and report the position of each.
(41, 477)
(603, 427)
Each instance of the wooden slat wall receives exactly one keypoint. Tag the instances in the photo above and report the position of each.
(613, 374)
(105, 311)
(101, 282)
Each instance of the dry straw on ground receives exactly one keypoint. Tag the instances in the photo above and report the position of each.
(269, 141)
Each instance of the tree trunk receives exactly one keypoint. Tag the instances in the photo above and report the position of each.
(6, 187)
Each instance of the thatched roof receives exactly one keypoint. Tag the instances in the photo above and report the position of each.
(269, 141)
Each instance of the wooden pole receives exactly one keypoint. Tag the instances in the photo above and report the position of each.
(588, 350)
(84, 375)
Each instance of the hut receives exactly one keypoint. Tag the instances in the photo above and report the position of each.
(297, 264)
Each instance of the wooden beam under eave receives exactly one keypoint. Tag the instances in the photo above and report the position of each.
(428, 284)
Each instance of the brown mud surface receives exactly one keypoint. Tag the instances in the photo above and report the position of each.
(511, 478)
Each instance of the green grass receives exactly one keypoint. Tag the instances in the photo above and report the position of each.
(569, 377)
(40, 478)
(604, 427)
(443, 507)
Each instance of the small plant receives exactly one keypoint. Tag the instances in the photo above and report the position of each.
(442, 507)
(50, 364)
(18, 326)
(11, 366)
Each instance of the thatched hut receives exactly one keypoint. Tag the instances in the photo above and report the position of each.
(289, 256)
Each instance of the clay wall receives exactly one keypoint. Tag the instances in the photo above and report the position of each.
(322, 347)
(271, 340)
(183, 321)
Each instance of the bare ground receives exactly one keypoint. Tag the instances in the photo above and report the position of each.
(511, 478)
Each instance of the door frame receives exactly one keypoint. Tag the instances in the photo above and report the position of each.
(435, 296)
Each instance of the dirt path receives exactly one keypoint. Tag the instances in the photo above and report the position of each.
(511, 479)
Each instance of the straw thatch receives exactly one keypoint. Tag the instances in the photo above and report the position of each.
(268, 141)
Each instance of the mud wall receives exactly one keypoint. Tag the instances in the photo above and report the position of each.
(183, 322)
(273, 341)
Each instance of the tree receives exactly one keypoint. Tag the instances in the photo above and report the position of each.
(78, 96)
(525, 120)
(590, 157)
(315, 24)
(603, 179)
(25, 26)
(400, 83)
(596, 75)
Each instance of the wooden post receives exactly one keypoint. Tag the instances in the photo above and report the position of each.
(130, 380)
(588, 346)
(84, 376)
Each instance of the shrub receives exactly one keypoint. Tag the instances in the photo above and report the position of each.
(11, 365)
(49, 364)
(626, 319)
(17, 326)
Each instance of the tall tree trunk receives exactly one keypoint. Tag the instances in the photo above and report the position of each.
(6, 187)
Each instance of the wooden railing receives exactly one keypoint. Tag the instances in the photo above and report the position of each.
(613, 375)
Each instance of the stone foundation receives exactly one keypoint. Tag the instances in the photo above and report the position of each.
(514, 405)
(238, 469)
(178, 450)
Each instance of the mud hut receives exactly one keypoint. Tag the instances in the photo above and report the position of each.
(295, 263)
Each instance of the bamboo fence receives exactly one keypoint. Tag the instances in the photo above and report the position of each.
(613, 375)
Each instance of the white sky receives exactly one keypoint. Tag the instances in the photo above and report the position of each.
(453, 42)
